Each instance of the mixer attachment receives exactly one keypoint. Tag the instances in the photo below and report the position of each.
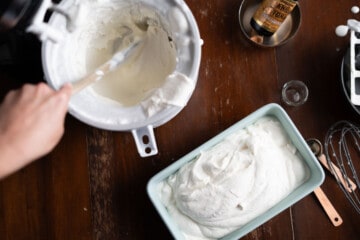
(45, 31)
(342, 147)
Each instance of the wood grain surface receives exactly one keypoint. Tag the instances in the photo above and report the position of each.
(92, 186)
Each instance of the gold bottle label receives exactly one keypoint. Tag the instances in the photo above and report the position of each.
(272, 13)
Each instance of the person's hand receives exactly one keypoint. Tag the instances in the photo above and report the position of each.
(31, 124)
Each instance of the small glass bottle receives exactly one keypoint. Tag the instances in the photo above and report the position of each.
(270, 15)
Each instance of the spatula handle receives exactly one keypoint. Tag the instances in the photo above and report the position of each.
(328, 207)
(94, 77)
(349, 187)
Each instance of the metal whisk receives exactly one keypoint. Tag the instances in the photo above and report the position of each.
(342, 147)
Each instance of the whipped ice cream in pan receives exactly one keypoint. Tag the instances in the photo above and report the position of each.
(152, 86)
(233, 182)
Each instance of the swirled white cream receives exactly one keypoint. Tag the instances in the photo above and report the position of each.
(155, 60)
(144, 78)
(234, 181)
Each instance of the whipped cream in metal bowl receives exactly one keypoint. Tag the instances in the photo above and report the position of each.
(150, 78)
(234, 181)
(151, 87)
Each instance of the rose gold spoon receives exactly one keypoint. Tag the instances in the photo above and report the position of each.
(325, 202)
(317, 148)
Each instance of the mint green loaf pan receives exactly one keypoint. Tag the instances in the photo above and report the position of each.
(314, 180)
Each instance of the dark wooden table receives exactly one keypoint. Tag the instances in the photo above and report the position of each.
(93, 184)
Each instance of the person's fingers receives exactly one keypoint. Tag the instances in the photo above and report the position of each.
(32, 122)
(62, 97)
(12, 94)
(67, 89)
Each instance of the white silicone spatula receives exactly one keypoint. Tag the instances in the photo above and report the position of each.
(117, 59)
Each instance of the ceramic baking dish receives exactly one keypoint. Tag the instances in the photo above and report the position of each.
(315, 177)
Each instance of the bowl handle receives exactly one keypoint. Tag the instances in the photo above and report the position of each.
(145, 141)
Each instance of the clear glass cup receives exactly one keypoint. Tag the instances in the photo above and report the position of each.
(294, 93)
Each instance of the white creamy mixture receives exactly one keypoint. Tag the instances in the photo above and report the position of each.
(352, 24)
(113, 25)
(146, 71)
(233, 182)
(355, 9)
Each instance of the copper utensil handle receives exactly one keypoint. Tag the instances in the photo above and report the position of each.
(349, 187)
(328, 207)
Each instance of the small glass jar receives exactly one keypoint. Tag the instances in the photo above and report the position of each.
(294, 93)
